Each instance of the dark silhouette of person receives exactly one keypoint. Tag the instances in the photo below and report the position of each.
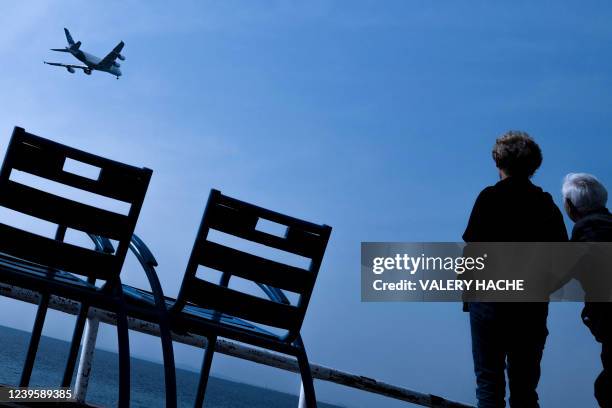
(511, 336)
(584, 198)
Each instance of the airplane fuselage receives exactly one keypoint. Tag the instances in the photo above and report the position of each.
(93, 62)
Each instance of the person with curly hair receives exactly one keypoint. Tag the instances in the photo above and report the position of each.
(510, 337)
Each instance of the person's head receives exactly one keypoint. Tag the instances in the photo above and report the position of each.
(516, 154)
(582, 195)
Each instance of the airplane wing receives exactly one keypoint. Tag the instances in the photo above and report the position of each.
(59, 64)
(111, 56)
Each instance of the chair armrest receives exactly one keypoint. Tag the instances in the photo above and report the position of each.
(142, 252)
(137, 246)
(102, 244)
(148, 263)
(146, 259)
(277, 295)
(274, 294)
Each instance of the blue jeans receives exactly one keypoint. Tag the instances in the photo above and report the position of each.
(508, 336)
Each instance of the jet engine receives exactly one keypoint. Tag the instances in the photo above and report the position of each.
(70, 69)
(116, 64)
(87, 71)
(121, 57)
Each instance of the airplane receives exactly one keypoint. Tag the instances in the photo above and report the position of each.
(92, 63)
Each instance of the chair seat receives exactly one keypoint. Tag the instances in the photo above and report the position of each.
(194, 313)
(23, 273)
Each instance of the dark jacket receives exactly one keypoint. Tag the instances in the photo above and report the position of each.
(595, 227)
(515, 210)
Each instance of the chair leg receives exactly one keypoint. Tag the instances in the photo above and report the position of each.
(205, 372)
(307, 382)
(169, 367)
(28, 366)
(77, 336)
(124, 357)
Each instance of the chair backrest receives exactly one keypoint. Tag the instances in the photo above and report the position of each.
(240, 219)
(46, 160)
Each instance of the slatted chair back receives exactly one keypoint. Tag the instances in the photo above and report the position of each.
(240, 219)
(46, 159)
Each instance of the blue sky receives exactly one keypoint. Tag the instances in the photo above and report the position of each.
(374, 117)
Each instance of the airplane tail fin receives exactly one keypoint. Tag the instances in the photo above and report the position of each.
(73, 45)
(69, 37)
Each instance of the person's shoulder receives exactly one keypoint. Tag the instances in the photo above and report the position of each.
(582, 231)
(595, 227)
(489, 194)
(535, 189)
(488, 191)
(544, 196)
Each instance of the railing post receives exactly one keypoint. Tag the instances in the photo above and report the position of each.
(86, 360)
(302, 401)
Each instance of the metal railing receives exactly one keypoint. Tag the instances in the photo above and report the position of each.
(227, 347)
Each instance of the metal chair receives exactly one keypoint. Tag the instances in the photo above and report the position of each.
(55, 267)
(216, 310)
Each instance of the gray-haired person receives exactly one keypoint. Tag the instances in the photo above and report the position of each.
(585, 200)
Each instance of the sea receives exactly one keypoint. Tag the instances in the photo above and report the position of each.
(147, 390)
